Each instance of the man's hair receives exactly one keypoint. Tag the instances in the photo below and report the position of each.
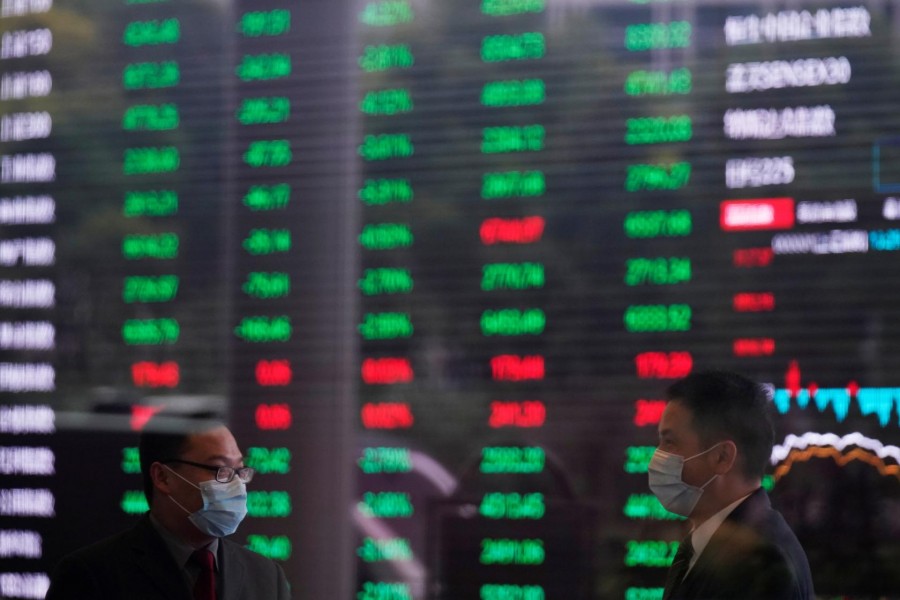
(729, 406)
(165, 436)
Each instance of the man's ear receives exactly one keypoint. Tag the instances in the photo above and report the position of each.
(161, 478)
(725, 455)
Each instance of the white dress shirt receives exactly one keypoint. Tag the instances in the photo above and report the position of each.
(701, 535)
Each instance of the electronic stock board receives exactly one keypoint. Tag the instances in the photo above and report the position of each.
(435, 263)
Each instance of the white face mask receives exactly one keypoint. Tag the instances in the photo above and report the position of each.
(224, 506)
(668, 486)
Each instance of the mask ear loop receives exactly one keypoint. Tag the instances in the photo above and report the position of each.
(710, 449)
(703, 487)
(181, 477)
(171, 497)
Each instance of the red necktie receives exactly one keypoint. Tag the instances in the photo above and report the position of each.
(205, 588)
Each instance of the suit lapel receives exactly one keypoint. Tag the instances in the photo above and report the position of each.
(232, 570)
(152, 557)
(692, 585)
(704, 570)
(721, 544)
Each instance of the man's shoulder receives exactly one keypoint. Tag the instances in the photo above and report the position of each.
(767, 523)
(103, 569)
(755, 545)
(247, 557)
(755, 525)
(263, 576)
(114, 545)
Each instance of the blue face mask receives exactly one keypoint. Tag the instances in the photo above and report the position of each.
(224, 506)
(668, 486)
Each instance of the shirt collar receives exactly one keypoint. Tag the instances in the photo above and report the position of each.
(179, 550)
(701, 535)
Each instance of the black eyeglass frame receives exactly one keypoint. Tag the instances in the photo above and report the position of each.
(224, 474)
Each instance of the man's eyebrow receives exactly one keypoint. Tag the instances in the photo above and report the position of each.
(224, 458)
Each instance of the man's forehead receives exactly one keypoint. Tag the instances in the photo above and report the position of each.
(676, 419)
(212, 443)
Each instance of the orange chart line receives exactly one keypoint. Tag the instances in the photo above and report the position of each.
(840, 458)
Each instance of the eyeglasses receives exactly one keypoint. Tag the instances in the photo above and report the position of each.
(223, 474)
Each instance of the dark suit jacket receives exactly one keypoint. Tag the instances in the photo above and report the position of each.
(137, 565)
(753, 554)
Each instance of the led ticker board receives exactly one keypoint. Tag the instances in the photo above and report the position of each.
(436, 263)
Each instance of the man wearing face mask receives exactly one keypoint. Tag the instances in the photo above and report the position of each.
(195, 482)
(715, 439)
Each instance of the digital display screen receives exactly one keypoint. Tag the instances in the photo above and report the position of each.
(435, 263)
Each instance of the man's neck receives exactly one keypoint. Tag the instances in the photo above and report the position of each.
(724, 498)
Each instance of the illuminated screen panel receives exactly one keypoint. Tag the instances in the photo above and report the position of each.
(436, 263)
(111, 163)
(168, 234)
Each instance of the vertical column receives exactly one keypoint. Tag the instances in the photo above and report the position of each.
(659, 85)
(290, 251)
(774, 181)
(169, 219)
(515, 558)
(387, 327)
(152, 251)
(27, 296)
(265, 284)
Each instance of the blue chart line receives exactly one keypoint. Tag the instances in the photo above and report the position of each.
(871, 401)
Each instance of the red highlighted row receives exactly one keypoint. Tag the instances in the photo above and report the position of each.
(506, 367)
(387, 415)
(510, 367)
(386, 371)
(648, 412)
(663, 365)
(752, 257)
(526, 230)
(754, 302)
(750, 347)
(155, 375)
(168, 375)
(757, 214)
(270, 373)
(398, 415)
(273, 416)
(530, 413)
